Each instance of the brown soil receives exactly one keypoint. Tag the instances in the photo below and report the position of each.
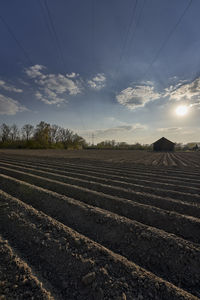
(179, 159)
(16, 277)
(93, 229)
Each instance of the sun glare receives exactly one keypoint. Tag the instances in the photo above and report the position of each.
(181, 110)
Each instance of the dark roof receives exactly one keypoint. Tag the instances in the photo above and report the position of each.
(163, 139)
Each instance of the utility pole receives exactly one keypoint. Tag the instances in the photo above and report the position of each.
(92, 139)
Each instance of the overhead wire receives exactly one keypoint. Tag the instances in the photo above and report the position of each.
(167, 39)
(173, 29)
(54, 32)
(16, 40)
(137, 23)
(169, 36)
(60, 50)
(93, 31)
(127, 35)
(46, 20)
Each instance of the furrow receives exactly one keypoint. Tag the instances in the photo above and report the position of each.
(95, 271)
(77, 177)
(71, 189)
(171, 161)
(126, 168)
(17, 280)
(161, 169)
(191, 161)
(168, 173)
(145, 246)
(178, 162)
(137, 163)
(165, 160)
(152, 174)
(171, 222)
(135, 172)
(182, 161)
(85, 174)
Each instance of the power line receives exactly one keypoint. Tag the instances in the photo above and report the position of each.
(93, 31)
(48, 27)
(169, 35)
(127, 34)
(54, 32)
(59, 49)
(17, 41)
(138, 22)
(167, 39)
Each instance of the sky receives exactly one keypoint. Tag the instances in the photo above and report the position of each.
(114, 69)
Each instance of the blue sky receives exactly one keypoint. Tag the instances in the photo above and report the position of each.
(117, 69)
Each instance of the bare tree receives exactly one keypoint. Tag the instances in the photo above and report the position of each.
(54, 130)
(5, 132)
(27, 131)
(65, 135)
(42, 133)
(14, 132)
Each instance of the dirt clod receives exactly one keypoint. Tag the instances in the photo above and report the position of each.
(89, 278)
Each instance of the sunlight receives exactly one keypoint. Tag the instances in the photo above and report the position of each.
(181, 110)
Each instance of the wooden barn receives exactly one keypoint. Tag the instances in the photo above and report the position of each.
(163, 144)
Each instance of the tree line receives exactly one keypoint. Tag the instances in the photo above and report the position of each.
(112, 144)
(45, 136)
(42, 136)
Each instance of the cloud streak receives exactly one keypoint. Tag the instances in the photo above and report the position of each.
(169, 129)
(120, 129)
(187, 92)
(9, 87)
(115, 132)
(9, 106)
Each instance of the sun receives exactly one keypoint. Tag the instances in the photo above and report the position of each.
(182, 110)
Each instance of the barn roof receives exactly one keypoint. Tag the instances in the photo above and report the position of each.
(163, 139)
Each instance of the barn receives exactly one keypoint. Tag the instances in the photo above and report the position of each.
(163, 144)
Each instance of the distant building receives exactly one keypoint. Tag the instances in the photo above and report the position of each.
(195, 148)
(163, 144)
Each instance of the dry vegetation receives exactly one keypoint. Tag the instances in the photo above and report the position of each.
(99, 225)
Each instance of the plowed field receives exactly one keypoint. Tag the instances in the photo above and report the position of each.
(85, 228)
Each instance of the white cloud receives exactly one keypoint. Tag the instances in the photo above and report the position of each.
(54, 99)
(99, 77)
(97, 82)
(53, 88)
(169, 129)
(185, 92)
(138, 96)
(34, 71)
(59, 84)
(9, 106)
(9, 87)
(123, 129)
(72, 75)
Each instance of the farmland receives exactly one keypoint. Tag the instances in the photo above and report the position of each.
(99, 225)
